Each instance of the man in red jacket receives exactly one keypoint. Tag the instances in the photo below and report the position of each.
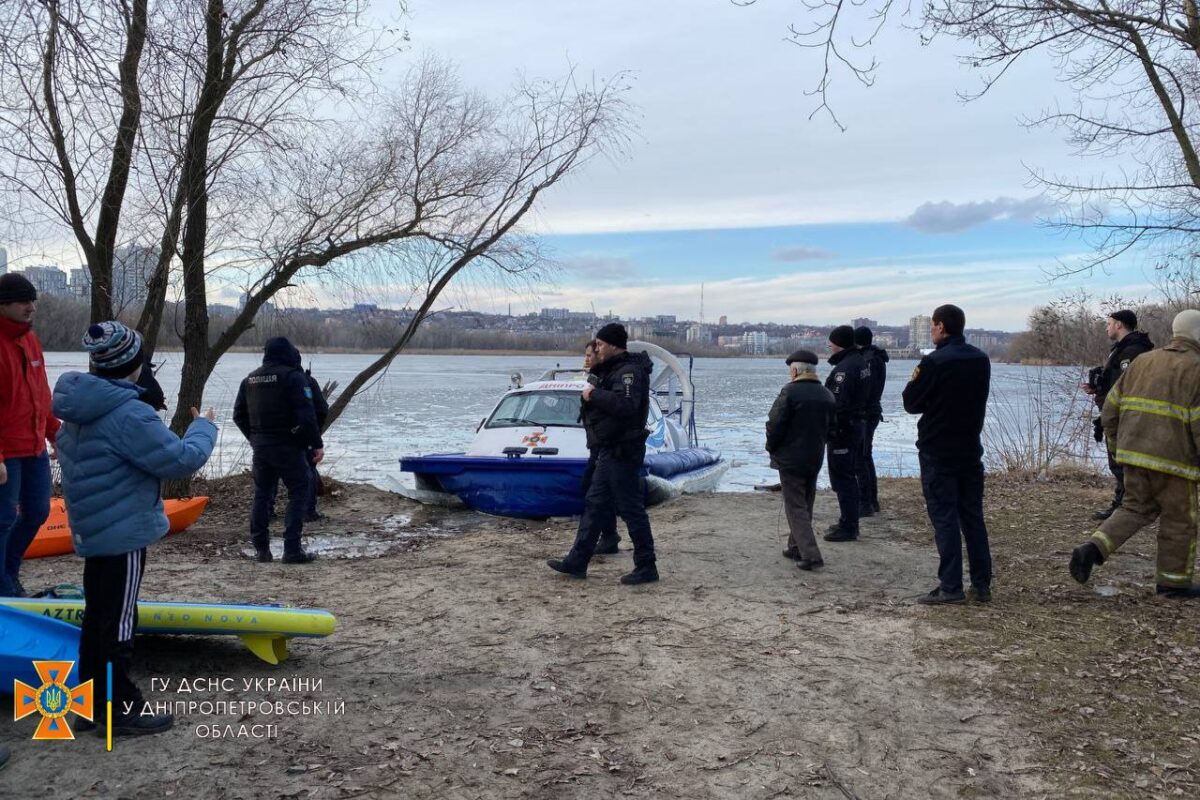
(26, 424)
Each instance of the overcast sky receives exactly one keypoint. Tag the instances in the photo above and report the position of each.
(923, 199)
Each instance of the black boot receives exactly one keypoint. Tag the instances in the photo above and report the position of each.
(140, 725)
(1179, 592)
(566, 568)
(263, 555)
(608, 547)
(842, 534)
(299, 557)
(866, 510)
(1083, 558)
(792, 553)
(940, 598)
(646, 574)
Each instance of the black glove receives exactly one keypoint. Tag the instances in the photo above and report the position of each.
(1097, 430)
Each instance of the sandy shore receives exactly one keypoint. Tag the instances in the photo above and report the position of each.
(467, 669)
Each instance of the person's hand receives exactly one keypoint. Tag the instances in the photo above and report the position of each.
(3, 474)
(587, 392)
(318, 455)
(1087, 389)
(209, 415)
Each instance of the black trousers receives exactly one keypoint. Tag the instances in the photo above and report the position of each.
(110, 590)
(310, 508)
(954, 499)
(842, 459)
(868, 483)
(608, 528)
(271, 464)
(616, 486)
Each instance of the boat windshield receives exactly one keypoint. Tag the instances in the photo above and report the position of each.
(522, 409)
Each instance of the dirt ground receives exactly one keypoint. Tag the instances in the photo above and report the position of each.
(468, 669)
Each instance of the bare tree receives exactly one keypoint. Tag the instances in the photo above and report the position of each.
(1135, 71)
(70, 112)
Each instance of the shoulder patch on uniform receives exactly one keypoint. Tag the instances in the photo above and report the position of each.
(627, 379)
(841, 376)
(1125, 364)
(916, 372)
(308, 392)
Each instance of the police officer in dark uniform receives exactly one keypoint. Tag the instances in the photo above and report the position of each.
(849, 380)
(949, 389)
(616, 403)
(610, 539)
(1128, 344)
(877, 359)
(274, 410)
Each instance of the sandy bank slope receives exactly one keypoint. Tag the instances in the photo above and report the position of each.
(468, 669)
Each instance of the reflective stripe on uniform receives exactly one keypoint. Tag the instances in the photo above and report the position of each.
(1158, 464)
(1105, 543)
(1160, 408)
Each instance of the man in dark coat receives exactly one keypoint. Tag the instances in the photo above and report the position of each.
(797, 428)
(274, 409)
(610, 539)
(1128, 344)
(616, 403)
(949, 389)
(849, 381)
(877, 359)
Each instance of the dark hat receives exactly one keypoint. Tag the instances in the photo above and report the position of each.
(803, 357)
(114, 349)
(614, 333)
(863, 336)
(16, 288)
(281, 350)
(1126, 318)
(842, 336)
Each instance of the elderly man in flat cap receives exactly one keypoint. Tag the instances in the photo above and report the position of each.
(797, 429)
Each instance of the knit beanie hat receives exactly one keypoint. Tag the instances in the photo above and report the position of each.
(842, 336)
(614, 333)
(115, 350)
(863, 336)
(1187, 323)
(16, 288)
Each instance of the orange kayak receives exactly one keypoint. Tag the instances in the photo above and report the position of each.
(54, 537)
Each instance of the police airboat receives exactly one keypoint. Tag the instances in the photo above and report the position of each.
(529, 454)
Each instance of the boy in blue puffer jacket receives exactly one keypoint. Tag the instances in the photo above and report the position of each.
(114, 451)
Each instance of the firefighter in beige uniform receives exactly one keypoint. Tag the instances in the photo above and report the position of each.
(1151, 421)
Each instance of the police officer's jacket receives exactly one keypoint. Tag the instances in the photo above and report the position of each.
(798, 426)
(849, 381)
(877, 359)
(1120, 355)
(949, 389)
(274, 404)
(615, 415)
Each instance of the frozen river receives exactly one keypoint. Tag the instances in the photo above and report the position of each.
(432, 403)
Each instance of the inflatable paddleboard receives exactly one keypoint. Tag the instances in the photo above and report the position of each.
(54, 537)
(265, 630)
(27, 637)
